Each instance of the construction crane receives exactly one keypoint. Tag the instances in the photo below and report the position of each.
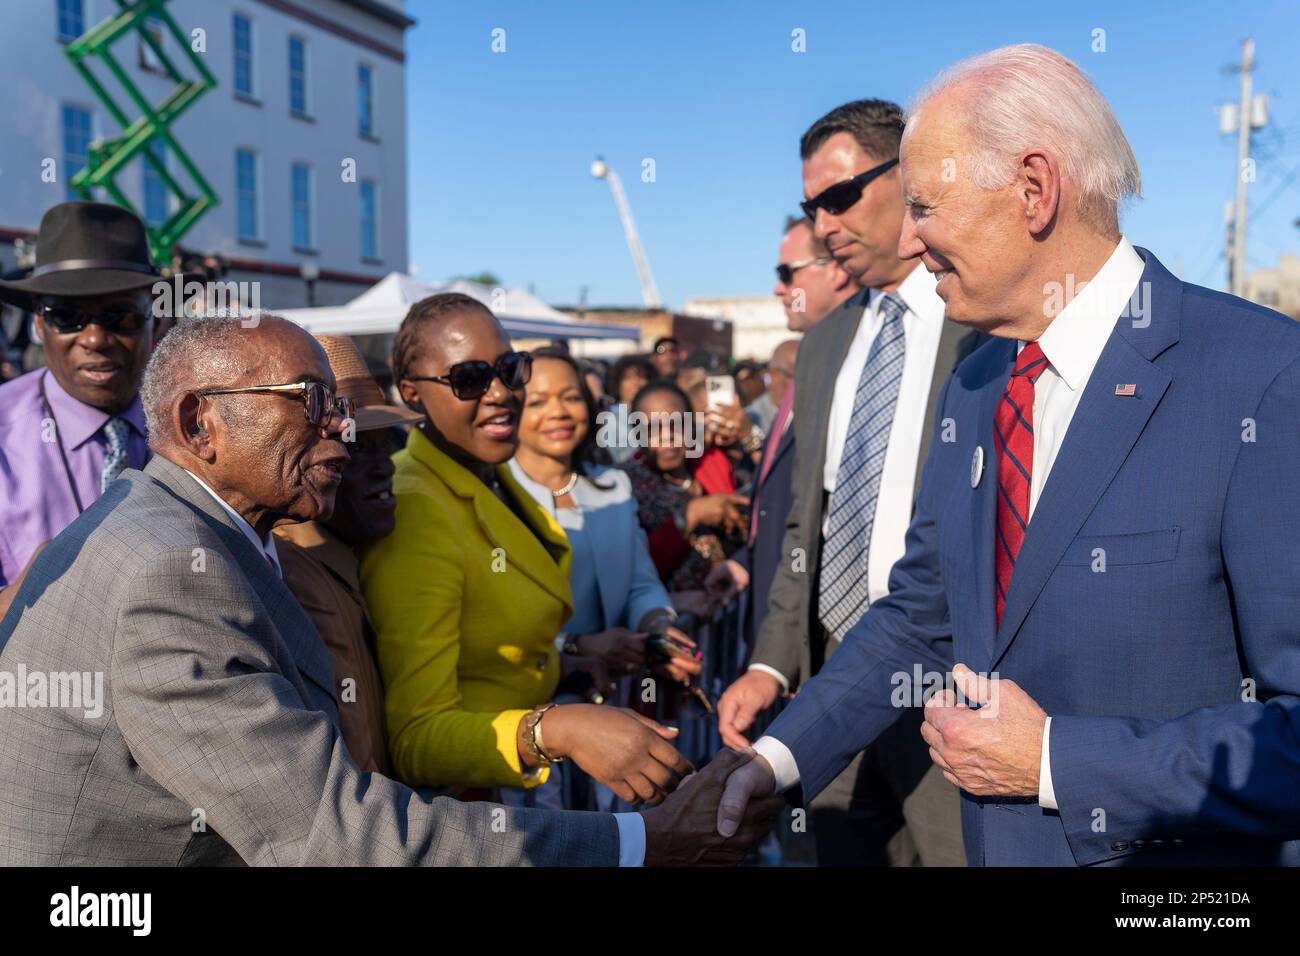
(649, 292)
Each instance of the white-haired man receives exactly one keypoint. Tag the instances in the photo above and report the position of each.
(869, 377)
(1109, 534)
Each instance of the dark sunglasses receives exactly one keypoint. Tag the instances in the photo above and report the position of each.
(839, 199)
(786, 270)
(66, 321)
(318, 400)
(471, 380)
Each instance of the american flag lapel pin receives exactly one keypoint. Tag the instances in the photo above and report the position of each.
(1126, 391)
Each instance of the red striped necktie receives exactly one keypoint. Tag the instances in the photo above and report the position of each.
(1013, 427)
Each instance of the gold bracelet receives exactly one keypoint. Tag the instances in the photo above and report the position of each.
(539, 743)
(533, 738)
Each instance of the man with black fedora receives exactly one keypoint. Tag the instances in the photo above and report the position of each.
(69, 429)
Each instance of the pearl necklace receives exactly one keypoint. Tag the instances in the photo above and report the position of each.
(568, 486)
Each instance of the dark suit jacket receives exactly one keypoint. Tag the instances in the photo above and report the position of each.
(785, 638)
(771, 497)
(216, 739)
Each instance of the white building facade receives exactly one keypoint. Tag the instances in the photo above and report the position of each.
(303, 139)
(1277, 287)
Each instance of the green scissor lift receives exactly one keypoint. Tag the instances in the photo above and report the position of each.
(110, 156)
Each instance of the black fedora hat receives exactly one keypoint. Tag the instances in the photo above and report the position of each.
(85, 248)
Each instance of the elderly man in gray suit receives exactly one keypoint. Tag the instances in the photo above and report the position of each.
(216, 738)
(861, 434)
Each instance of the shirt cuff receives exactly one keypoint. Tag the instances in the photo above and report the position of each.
(631, 839)
(780, 759)
(785, 684)
(1046, 795)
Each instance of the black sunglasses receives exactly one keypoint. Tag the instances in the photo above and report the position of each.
(839, 199)
(471, 380)
(66, 321)
(318, 399)
(786, 270)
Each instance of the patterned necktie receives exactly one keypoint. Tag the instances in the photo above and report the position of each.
(116, 430)
(843, 588)
(1014, 431)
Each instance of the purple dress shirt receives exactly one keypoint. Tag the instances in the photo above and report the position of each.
(36, 502)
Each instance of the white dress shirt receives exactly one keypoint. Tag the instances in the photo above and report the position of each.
(266, 546)
(922, 328)
(1072, 344)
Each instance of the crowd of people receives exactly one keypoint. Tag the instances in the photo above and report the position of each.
(282, 612)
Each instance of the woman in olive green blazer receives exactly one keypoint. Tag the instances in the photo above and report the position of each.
(471, 589)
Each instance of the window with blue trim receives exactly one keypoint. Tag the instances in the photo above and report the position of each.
(243, 47)
(298, 76)
(301, 189)
(246, 193)
(365, 101)
(369, 220)
(72, 19)
(76, 144)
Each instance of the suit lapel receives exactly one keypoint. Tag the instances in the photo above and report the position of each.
(291, 622)
(950, 336)
(783, 448)
(547, 565)
(545, 561)
(600, 525)
(984, 497)
(955, 343)
(1102, 432)
(842, 326)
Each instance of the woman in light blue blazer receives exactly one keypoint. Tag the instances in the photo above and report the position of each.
(618, 598)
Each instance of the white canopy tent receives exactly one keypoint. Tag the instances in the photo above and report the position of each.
(380, 310)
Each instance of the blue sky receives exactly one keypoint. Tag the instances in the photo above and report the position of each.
(500, 143)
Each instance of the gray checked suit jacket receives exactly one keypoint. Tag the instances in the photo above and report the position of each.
(218, 740)
(785, 640)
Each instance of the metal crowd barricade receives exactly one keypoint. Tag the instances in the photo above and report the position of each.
(722, 642)
(726, 655)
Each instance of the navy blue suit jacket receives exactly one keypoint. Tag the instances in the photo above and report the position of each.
(1172, 677)
(773, 499)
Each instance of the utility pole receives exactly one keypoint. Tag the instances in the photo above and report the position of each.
(1249, 113)
(649, 292)
(1227, 244)
(1244, 118)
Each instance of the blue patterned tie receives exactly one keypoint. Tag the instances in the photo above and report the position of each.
(116, 430)
(843, 586)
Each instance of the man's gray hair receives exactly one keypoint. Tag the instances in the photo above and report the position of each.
(200, 352)
(1025, 96)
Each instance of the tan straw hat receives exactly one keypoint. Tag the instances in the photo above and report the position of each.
(354, 381)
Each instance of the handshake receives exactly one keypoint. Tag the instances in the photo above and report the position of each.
(717, 816)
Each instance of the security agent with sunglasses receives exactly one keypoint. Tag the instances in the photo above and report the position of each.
(861, 435)
(69, 429)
